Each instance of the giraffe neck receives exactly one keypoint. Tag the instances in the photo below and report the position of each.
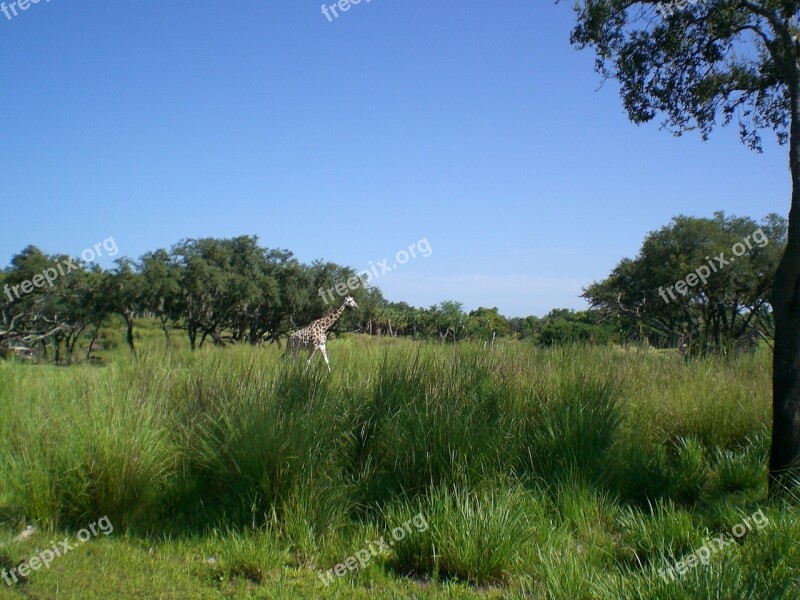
(327, 321)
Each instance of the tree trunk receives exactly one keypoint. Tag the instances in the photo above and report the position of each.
(71, 341)
(191, 330)
(91, 342)
(165, 329)
(128, 316)
(57, 344)
(784, 455)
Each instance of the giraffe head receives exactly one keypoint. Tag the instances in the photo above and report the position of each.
(348, 301)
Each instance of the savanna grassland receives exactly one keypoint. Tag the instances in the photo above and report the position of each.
(572, 472)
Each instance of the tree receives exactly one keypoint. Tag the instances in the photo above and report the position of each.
(523, 327)
(484, 323)
(673, 293)
(20, 310)
(287, 296)
(49, 299)
(69, 307)
(371, 311)
(565, 326)
(97, 303)
(696, 64)
(233, 290)
(402, 317)
(447, 319)
(203, 282)
(125, 293)
(161, 291)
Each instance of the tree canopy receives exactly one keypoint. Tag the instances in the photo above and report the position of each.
(218, 290)
(700, 282)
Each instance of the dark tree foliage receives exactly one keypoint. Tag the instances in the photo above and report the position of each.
(221, 291)
(523, 328)
(721, 300)
(562, 326)
(49, 299)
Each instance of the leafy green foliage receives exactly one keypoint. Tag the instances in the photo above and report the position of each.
(697, 62)
(728, 310)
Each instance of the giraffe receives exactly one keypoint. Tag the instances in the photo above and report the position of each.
(314, 336)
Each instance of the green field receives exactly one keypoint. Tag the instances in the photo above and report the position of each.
(572, 472)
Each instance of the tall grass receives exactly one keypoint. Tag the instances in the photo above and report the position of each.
(570, 469)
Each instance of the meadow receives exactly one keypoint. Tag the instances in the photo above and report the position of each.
(572, 472)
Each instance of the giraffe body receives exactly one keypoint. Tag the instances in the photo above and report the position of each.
(315, 336)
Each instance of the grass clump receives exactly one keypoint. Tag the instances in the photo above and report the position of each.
(474, 535)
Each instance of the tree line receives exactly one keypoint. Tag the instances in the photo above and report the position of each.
(221, 291)
(228, 291)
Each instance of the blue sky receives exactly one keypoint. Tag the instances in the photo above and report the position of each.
(473, 125)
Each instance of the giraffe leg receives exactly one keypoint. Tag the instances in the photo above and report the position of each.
(310, 356)
(325, 356)
(292, 350)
